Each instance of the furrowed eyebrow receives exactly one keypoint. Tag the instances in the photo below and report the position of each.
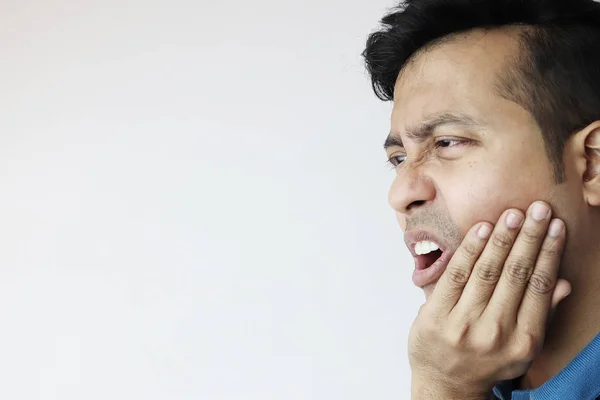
(426, 128)
(393, 140)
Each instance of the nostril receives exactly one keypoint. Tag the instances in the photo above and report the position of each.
(416, 204)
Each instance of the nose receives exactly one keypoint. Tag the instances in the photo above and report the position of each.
(409, 191)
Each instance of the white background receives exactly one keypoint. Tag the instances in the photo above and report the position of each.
(193, 204)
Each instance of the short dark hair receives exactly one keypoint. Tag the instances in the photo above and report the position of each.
(556, 76)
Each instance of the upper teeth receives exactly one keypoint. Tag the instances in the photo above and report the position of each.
(425, 247)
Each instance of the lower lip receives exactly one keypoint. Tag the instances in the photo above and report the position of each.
(429, 275)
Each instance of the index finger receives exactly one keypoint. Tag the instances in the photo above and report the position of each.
(451, 284)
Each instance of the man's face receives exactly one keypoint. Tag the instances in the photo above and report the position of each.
(486, 156)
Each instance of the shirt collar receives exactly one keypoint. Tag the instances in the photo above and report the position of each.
(580, 379)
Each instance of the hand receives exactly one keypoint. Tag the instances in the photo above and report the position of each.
(486, 319)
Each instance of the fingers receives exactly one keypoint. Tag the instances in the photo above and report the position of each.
(508, 272)
(533, 312)
(452, 282)
(488, 268)
(518, 272)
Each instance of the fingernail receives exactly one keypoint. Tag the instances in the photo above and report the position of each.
(556, 227)
(484, 231)
(513, 220)
(540, 211)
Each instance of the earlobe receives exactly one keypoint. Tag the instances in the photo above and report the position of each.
(591, 177)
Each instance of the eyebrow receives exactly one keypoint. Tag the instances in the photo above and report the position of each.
(426, 128)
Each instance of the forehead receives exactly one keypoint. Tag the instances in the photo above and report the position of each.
(457, 75)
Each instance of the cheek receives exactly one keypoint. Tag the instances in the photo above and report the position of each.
(484, 194)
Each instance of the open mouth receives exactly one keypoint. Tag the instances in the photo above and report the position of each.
(430, 261)
(427, 254)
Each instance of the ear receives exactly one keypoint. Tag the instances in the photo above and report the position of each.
(590, 138)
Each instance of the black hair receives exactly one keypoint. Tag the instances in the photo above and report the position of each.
(556, 76)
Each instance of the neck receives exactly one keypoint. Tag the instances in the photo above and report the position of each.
(575, 323)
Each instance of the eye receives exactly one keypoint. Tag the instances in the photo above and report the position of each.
(396, 160)
(445, 143)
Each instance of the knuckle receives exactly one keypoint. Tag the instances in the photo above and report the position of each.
(470, 251)
(457, 337)
(458, 276)
(527, 347)
(518, 271)
(551, 249)
(541, 283)
(530, 236)
(492, 340)
(426, 315)
(502, 240)
(427, 329)
(423, 331)
(487, 272)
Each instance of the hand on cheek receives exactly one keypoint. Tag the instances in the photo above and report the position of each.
(486, 319)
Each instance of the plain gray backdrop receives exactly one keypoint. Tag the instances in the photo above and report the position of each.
(194, 204)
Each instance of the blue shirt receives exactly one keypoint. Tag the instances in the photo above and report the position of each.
(579, 380)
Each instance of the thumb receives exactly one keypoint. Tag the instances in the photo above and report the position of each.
(561, 291)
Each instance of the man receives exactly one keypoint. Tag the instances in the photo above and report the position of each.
(495, 139)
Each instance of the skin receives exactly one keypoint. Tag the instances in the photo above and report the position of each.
(480, 328)
(476, 173)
